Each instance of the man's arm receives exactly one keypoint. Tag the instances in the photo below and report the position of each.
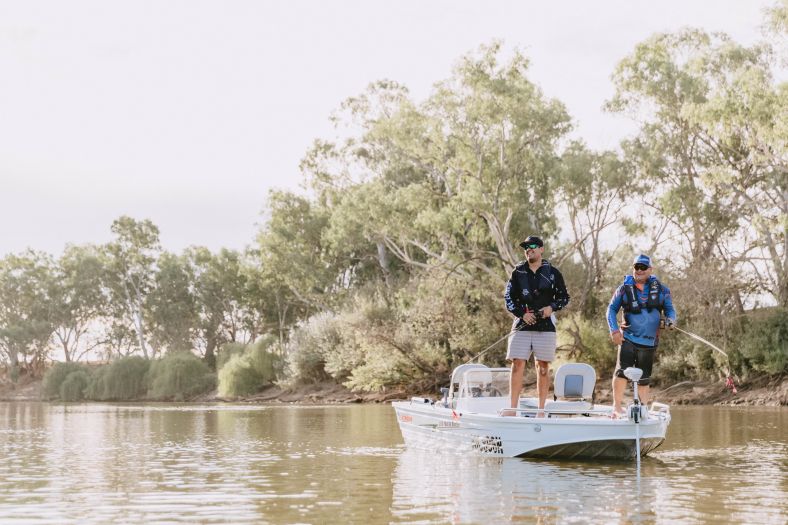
(512, 291)
(612, 310)
(670, 312)
(561, 296)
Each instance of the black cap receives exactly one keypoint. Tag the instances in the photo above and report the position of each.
(532, 239)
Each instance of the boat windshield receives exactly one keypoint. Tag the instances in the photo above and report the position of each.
(490, 382)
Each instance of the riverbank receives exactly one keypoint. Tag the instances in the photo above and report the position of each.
(763, 392)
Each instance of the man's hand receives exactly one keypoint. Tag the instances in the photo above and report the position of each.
(670, 323)
(547, 311)
(529, 318)
(617, 337)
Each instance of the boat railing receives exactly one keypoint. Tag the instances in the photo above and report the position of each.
(527, 411)
(658, 410)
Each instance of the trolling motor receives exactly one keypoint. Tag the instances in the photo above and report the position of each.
(634, 375)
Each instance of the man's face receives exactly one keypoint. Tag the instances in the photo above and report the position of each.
(533, 252)
(641, 272)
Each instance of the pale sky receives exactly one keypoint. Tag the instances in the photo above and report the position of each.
(187, 112)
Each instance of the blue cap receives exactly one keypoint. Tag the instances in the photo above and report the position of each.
(642, 259)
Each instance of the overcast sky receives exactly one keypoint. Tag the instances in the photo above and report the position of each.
(187, 112)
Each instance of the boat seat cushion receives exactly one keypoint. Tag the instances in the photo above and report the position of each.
(574, 381)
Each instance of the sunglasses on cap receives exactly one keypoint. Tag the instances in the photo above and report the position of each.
(531, 246)
(641, 267)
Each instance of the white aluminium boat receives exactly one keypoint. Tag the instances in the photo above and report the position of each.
(474, 415)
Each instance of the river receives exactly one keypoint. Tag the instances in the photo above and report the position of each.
(153, 463)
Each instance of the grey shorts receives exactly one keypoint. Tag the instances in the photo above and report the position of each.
(523, 344)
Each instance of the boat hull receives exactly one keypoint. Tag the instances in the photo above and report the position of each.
(576, 437)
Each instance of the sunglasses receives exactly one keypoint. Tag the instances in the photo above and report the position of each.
(531, 246)
(641, 267)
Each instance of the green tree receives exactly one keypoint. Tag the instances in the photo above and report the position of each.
(78, 299)
(712, 152)
(131, 259)
(170, 306)
(26, 315)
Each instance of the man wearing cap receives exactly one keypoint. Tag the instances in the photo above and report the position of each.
(644, 300)
(534, 292)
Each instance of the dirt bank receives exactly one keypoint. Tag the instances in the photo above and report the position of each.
(763, 392)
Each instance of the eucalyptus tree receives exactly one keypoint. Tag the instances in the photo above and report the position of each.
(79, 300)
(713, 146)
(170, 306)
(222, 293)
(498, 150)
(130, 276)
(26, 311)
(594, 190)
(292, 247)
(454, 180)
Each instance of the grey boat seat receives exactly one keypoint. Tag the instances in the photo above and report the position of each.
(573, 388)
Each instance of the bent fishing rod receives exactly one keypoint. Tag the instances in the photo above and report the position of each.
(729, 379)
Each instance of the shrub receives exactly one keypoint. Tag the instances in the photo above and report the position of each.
(74, 386)
(763, 345)
(238, 378)
(178, 376)
(587, 341)
(306, 350)
(55, 376)
(227, 351)
(121, 380)
(248, 372)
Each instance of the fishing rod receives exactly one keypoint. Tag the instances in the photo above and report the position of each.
(507, 334)
(729, 378)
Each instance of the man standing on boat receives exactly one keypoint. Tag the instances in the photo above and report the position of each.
(534, 292)
(644, 300)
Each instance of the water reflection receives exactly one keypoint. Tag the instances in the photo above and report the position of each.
(733, 477)
(346, 464)
(444, 487)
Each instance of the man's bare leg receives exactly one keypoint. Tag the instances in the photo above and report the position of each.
(542, 381)
(619, 385)
(516, 382)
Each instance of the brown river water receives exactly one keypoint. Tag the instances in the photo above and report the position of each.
(138, 463)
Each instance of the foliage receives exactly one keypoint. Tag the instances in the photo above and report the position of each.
(306, 350)
(227, 352)
(763, 344)
(170, 306)
(56, 376)
(587, 341)
(130, 260)
(247, 372)
(122, 379)
(178, 376)
(26, 318)
(74, 386)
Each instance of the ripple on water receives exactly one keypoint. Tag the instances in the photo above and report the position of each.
(214, 464)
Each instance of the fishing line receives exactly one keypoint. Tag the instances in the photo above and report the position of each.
(507, 334)
(729, 379)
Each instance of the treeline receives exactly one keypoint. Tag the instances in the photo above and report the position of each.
(392, 270)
